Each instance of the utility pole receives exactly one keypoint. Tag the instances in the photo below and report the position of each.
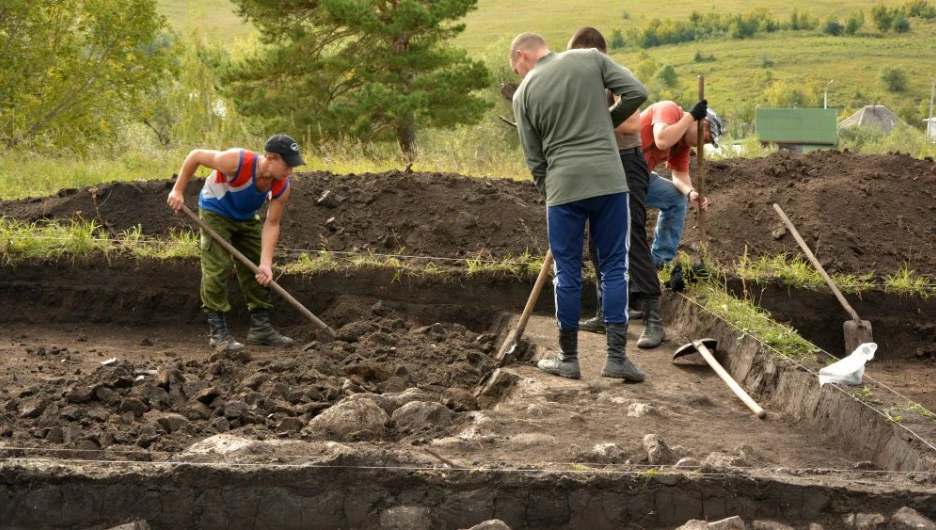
(825, 96)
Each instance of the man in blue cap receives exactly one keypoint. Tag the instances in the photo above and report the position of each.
(240, 183)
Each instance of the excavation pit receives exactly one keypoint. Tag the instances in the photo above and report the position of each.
(180, 437)
(175, 435)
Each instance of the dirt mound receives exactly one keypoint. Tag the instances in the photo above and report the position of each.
(427, 214)
(859, 213)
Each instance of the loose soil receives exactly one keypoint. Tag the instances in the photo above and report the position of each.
(858, 213)
(109, 360)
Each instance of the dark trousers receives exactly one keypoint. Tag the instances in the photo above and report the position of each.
(607, 218)
(644, 281)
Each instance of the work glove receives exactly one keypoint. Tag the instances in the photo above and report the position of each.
(699, 110)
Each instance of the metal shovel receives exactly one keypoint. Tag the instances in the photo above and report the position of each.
(703, 346)
(857, 331)
(510, 343)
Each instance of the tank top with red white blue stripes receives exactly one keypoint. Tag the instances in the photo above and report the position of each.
(237, 197)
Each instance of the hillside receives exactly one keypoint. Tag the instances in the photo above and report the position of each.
(737, 76)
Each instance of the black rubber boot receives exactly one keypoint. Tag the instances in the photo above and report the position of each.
(618, 366)
(221, 339)
(633, 311)
(565, 364)
(653, 333)
(262, 332)
(595, 324)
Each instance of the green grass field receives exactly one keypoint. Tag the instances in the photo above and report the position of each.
(735, 80)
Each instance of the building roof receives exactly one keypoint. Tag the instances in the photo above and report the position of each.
(872, 116)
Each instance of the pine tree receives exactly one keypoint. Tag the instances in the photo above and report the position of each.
(364, 69)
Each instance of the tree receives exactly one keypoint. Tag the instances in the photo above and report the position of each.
(617, 40)
(366, 69)
(883, 17)
(833, 27)
(667, 76)
(71, 70)
(894, 79)
(900, 24)
(854, 23)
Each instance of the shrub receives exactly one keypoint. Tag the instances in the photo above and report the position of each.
(832, 27)
(854, 23)
(901, 24)
(895, 79)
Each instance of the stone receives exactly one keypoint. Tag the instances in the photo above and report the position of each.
(235, 409)
(255, 380)
(770, 525)
(410, 394)
(731, 523)
(207, 395)
(55, 435)
(459, 400)
(348, 418)
(658, 452)
(639, 410)
(688, 462)
(134, 405)
(79, 394)
(864, 521)
(722, 460)
(386, 403)
(694, 524)
(419, 415)
(492, 524)
(172, 422)
(290, 425)
(33, 409)
(329, 199)
(107, 395)
(607, 453)
(907, 518)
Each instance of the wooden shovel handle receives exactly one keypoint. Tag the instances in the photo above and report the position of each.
(726, 377)
(816, 264)
(534, 294)
(275, 287)
(514, 336)
(700, 151)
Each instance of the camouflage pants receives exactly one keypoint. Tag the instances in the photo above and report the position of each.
(245, 236)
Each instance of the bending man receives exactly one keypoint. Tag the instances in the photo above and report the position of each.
(240, 183)
(567, 135)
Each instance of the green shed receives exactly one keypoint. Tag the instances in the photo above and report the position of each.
(800, 130)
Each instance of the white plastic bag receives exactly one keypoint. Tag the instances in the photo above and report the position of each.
(848, 371)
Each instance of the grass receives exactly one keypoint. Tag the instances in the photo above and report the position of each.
(750, 319)
(216, 16)
(799, 273)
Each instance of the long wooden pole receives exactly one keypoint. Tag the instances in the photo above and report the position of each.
(816, 264)
(275, 287)
(726, 377)
(700, 150)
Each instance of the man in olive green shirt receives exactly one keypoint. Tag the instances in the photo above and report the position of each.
(567, 134)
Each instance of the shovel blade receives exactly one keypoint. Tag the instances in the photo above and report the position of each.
(856, 334)
(507, 347)
(691, 347)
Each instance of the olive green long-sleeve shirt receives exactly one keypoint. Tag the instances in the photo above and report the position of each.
(565, 128)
